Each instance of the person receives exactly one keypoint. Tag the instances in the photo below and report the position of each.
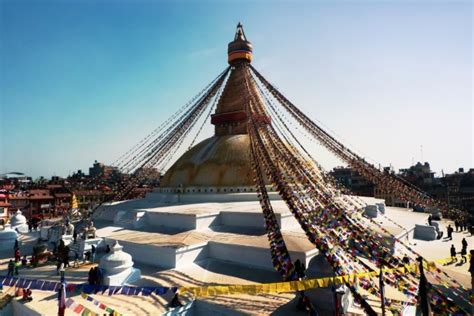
(76, 260)
(90, 277)
(299, 269)
(93, 250)
(17, 265)
(19, 292)
(27, 295)
(175, 302)
(430, 218)
(98, 276)
(95, 276)
(59, 265)
(74, 236)
(33, 261)
(463, 254)
(471, 268)
(107, 249)
(405, 259)
(11, 268)
(453, 253)
(456, 224)
(88, 255)
(24, 261)
(17, 255)
(464, 244)
(16, 246)
(66, 262)
(450, 232)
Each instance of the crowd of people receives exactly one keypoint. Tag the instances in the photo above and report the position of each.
(60, 255)
(464, 224)
(15, 263)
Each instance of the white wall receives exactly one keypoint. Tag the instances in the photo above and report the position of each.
(249, 256)
(185, 221)
(188, 255)
(242, 219)
(155, 256)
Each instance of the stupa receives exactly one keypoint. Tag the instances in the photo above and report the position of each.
(117, 267)
(19, 222)
(221, 163)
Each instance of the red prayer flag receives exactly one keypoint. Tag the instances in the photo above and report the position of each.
(79, 308)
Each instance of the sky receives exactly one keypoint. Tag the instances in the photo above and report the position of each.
(86, 80)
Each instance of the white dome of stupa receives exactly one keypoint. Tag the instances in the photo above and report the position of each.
(116, 261)
(18, 219)
(7, 237)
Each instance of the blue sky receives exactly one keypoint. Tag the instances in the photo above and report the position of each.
(85, 80)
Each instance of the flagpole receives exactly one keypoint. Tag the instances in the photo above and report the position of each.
(423, 291)
(382, 290)
(62, 295)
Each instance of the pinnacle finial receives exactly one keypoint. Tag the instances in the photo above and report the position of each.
(240, 48)
(239, 33)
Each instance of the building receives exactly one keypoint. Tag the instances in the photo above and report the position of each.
(20, 201)
(459, 189)
(91, 198)
(352, 180)
(4, 206)
(98, 169)
(41, 202)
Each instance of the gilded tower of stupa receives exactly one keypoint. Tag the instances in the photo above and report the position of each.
(222, 163)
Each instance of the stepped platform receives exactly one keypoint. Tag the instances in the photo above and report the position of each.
(181, 249)
(194, 216)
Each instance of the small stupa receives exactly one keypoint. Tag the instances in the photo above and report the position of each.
(117, 267)
(19, 222)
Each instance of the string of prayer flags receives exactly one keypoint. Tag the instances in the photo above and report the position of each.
(100, 305)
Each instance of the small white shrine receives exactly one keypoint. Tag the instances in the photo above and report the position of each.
(19, 223)
(117, 267)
